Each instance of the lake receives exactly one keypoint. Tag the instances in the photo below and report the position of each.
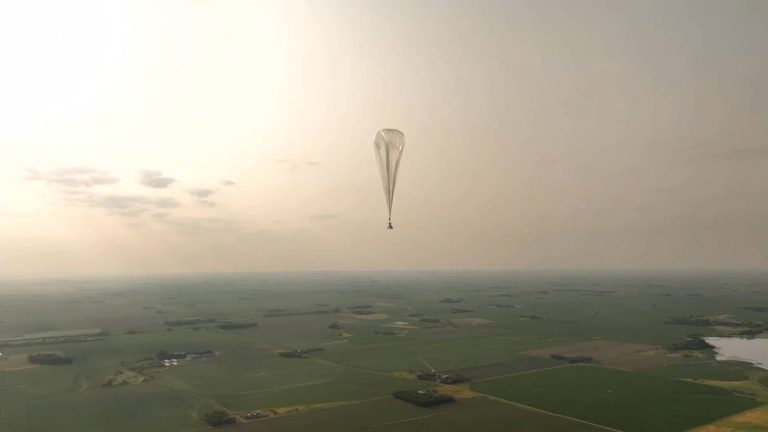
(754, 351)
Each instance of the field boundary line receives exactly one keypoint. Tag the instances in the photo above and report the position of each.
(520, 373)
(410, 419)
(297, 412)
(539, 410)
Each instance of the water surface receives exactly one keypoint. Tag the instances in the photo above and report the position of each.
(753, 351)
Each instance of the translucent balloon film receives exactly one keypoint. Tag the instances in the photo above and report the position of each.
(389, 144)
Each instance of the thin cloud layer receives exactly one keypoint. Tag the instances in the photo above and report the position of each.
(201, 192)
(127, 205)
(73, 177)
(155, 179)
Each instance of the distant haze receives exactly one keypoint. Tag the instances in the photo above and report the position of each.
(181, 136)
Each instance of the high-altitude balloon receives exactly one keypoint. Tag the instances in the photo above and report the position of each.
(389, 144)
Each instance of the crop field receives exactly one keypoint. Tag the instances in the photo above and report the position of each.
(714, 371)
(327, 350)
(619, 399)
(618, 355)
(389, 415)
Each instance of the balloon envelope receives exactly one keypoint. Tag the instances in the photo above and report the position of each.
(389, 144)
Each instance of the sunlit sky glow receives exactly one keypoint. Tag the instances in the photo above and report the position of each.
(222, 135)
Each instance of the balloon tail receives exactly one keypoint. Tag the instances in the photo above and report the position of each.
(389, 226)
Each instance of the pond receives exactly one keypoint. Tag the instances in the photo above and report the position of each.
(753, 351)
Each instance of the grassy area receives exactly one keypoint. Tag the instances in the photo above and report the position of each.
(624, 400)
(715, 371)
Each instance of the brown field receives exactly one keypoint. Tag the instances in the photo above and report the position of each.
(16, 362)
(618, 355)
(751, 420)
(457, 391)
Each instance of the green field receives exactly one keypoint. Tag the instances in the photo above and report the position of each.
(390, 415)
(347, 384)
(715, 371)
(623, 400)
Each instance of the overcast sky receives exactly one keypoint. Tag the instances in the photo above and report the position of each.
(222, 135)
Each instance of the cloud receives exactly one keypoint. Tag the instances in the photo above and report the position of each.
(126, 205)
(201, 192)
(206, 203)
(313, 163)
(155, 179)
(73, 177)
(228, 183)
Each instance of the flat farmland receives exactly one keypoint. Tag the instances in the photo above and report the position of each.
(443, 353)
(518, 363)
(390, 415)
(497, 329)
(620, 399)
(715, 371)
(621, 355)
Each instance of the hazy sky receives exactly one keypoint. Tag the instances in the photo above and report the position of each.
(218, 135)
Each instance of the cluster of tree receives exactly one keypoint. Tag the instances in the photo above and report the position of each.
(189, 321)
(365, 306)
(300, 353)
(183, 355)
(165, 355)
(572, 359)
(711, 322)
(459, 310)
(502, 306)
(335, 325)
(363, 312)
(751, 333)
(452, 300)
(531, 317)
(229, 325)
(51, 359)
(430, 320)
(386, 332)
(218, 418)
(756, 308)
(281, 313)
(694, 343)
(423, 398)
